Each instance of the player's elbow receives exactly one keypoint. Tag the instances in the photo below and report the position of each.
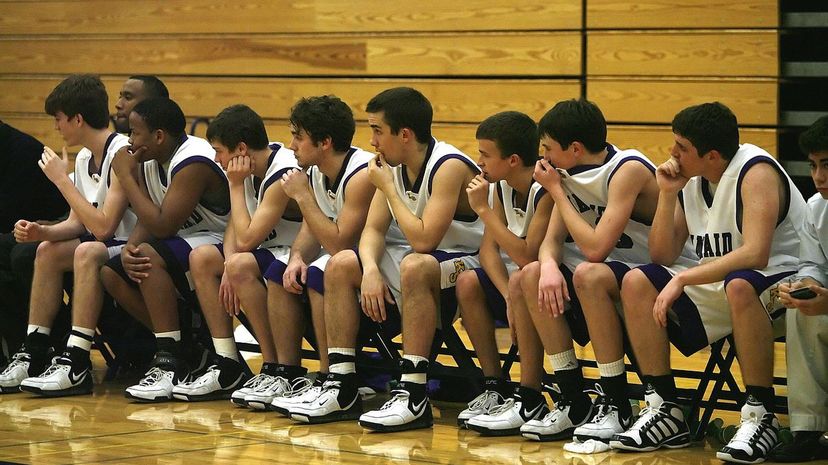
(596, 254)
(424, 245)
(163, 231)
(103, 232)
(244, 244)
(759, 261)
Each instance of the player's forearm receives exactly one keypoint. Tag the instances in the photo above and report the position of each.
(664, 248)
(371, 248)
(325, 230)
(492, 264)
(305, 246)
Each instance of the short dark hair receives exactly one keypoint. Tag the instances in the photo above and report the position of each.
(815, 138)
(575, 121)
(153, 87)
(514, 133)
(162, 113)
(709, 126)
(235, 124)
(404, 107)
(325, 116)
(82, 94)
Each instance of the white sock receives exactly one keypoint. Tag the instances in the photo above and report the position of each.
(81, 338)
(418, 378)
(38, 329)
(174, 335)
(608, 370)
(564, 360)
(226, 347)
(342, 368)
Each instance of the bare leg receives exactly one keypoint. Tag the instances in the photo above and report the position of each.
(243, 271)
(288, 323)
(752, 333)
(206, 269)
(53, 259)
(598, 291)
(529, 343)
(478, 322)
(420, 283)
(159, 292)
(128, 297)
(649, 340)
(317, 302)
(343, 278)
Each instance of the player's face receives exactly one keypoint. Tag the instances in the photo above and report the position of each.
(384, 142)
(140, 136)
(131, 93)
(223, 154)
(685, 153)
(490, 161)
(69, 128)
(307, 152)
(819, 172)
(558, 156)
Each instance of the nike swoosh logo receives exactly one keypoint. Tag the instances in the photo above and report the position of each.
(418, 409)
(532, 413)
(76, 379)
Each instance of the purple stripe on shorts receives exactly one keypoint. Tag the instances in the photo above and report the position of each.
(316, 279)
(264, 258)
(275, 271)
(619, 270)
(688, 335)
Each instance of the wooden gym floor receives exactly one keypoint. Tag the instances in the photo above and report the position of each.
(107, 428)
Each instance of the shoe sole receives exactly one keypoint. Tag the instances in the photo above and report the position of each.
(84, 388)
(9, 390)
(259, 405)
(535, 436)
(623, 447)
(419, 423)
(729, 458)
(494, 432)
(145, 400)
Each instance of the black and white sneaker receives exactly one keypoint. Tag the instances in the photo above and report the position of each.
(661, 424)
(338, 400)
(302, 391)
(480, 405)
(758, 433)
(508, 418)
(400, 413)
(556, 425)
(606, 423)
(30, 360)
(218, 382)
(157, 384)
(70, 374)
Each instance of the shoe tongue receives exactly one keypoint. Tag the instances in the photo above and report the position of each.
(753, 409)
(652, 398)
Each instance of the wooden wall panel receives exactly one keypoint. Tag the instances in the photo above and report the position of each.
(683, 53)
(462, 100)
(691, 14)
(754, 102)
(656, 141)
(266, 16)
(528, 54)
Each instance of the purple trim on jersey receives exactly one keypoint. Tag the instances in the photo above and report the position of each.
(619, 269)
(335, 185)
(750, 164)
(275, 271)
(354, 172)
(316, 279)
(538, 196)
(274, 147)
(582, 168)
(105, 150)
(643, 161)
(759, 282)
(494, 299)
(437, 164)
(198, 159)
(705, 192)
(272, 179)
(419, 181)
(681, 199)
(688, 335)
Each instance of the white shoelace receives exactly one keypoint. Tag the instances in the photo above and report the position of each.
(153, 376)
(17, 359)
(399, 396)
(486, 401)
(505, 406)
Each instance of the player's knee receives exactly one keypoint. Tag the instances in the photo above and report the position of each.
(467, 286)
(418, 269)
(634, 285)
(147, 250)
(740, 295)
(590, 275)
(341, 266)
(529, 278)
(242, 267)
(47, 252)
(111, 280)
(90, 254)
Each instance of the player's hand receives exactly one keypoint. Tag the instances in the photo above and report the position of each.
(238, 169)
(547, 176)
(478, 192)
(126, 160)
(811, 307)
(135, 264)
(375, 294)
(553, 293)
(295, 183)
(669, 177)
(28, 231)
(228, 297)
(53, 166)
(295, 276)
(665, 299)
(380, 174)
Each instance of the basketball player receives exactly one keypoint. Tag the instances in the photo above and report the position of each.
(743, 216)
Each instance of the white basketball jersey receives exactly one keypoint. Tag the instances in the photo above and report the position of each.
(463, 234)
(587, 187)
(95, 185)
(714, 220)
(330, 195)
(280, 161)
(518, 217)
(191, 150)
